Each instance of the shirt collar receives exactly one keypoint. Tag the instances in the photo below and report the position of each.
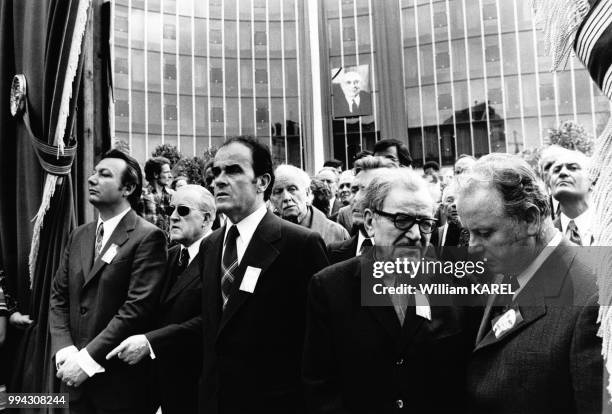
(111, 223)
(533, 267)
(248, 225)
(360, 239)
(194, 247)
(583, 221)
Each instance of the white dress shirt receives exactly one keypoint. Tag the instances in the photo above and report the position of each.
(246, 228)
(583, 222)
(110, 225)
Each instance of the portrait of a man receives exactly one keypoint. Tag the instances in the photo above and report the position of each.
(351, 96)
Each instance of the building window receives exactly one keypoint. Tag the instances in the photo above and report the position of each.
(121, 65)
(262, 114)
(348, 33)
(495, 96)
(261, 76)
(259, 4)
(445, 101)
(442, 60)
(170, 112)
(122, 108)
(492, 53)
(216, 114)
(260, 38)
(547, 93)
(169, 31)
(121, 24)
(489, 12)
(440, 19)
(215, 37)
(216, 75)
(169, 71)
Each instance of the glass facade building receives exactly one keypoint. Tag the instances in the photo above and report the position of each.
(446, 76)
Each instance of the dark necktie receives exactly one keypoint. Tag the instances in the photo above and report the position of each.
(366, 243)
(183, 261)
(353, 105)
(572, 233)
(99, 236)
(229, 263)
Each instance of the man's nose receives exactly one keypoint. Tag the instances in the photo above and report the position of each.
(286, 195)
(413, 233)
(92, 179)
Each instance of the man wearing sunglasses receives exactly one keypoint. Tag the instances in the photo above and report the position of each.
(176, 349)
(361, 358)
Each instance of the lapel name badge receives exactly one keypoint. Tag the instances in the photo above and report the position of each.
(505, 322)
(422, 305)
(251, 274)
(110, 254)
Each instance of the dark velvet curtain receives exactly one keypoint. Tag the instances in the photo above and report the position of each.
(35, 40)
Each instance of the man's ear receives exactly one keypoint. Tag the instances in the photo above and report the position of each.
(368, 218)
(128, 190)
(263, 182)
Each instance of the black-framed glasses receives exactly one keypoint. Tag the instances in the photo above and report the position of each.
(181, 210)
(405, 222)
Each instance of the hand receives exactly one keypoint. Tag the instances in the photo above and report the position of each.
(62, 355)
(132, 350)
(20, 321)
(71, 372)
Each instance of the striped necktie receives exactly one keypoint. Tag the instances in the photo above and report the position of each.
(99, 237)
(229, 263)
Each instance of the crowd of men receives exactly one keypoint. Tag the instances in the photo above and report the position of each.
(257, 306)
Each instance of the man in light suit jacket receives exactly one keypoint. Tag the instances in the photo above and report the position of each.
(105, 290)
(176, 349)
(255, 277)
(292, 197)
(537, 349)
(366, 355)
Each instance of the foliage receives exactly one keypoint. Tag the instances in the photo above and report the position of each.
(532, 156)
(168, 151)
(192, 168)
(122, 145)
(571, 135)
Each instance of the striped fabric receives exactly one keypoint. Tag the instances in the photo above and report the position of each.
(593, 44)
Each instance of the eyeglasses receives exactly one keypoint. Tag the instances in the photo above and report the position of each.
(181, 210)
(405, 222)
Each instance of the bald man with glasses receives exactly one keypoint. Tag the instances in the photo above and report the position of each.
(175, 349)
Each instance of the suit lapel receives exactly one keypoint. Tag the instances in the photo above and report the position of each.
(531, 300)
(173, 256)
(211, 282)
(187, 278)
(484, 323)
(119, 236)
(260, 253)
(87, 247)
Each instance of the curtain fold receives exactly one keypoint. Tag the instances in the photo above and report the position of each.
(36, 37)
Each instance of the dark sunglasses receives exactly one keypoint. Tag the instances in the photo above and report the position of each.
(405, 222)
(181, 210)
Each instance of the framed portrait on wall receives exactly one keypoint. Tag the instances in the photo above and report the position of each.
(351, 91)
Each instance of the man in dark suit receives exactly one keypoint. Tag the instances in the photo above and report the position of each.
(386, 355)
(365, 170)
(176, 349)
(537, 349)
(349, 98)
(571, 187)
(255, 278)
(105, 290)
